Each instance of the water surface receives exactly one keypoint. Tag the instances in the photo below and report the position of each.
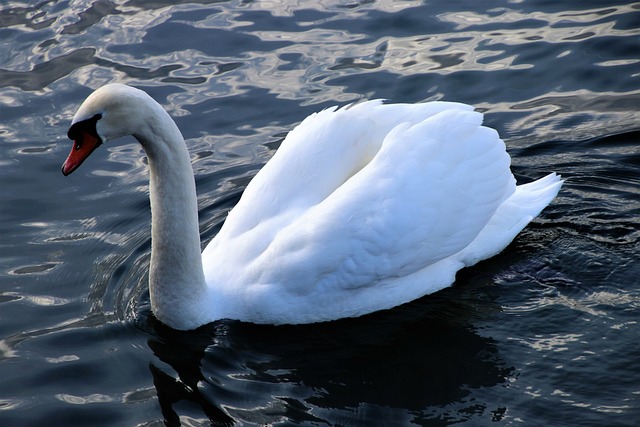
(543, 334)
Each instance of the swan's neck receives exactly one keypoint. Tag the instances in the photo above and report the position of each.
(176, 279)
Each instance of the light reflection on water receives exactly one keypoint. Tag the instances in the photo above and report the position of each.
(544, 332)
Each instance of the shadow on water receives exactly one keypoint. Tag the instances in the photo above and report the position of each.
(416, 367)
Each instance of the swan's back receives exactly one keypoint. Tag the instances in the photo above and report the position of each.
(320, 154)
(365, 208)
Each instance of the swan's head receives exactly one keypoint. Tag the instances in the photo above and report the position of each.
(113, 111)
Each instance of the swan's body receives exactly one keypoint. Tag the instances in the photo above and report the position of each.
(361, 209)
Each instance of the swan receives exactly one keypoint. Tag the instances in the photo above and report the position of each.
(362, 208)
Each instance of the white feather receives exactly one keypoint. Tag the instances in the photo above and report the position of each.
(362, 208)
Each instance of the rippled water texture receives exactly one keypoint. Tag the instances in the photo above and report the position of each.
(546, 333)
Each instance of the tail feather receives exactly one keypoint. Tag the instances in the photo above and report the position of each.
(530, 199)
(511, 217)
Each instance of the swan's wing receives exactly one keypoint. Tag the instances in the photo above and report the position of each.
(318, 156)
(427, 193)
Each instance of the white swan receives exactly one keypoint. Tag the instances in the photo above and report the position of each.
(361, 209)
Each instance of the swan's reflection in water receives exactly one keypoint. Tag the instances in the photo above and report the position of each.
(396, 367)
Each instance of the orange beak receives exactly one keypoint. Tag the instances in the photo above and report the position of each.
(83, 146)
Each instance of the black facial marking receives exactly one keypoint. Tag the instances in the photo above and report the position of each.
(86, 126)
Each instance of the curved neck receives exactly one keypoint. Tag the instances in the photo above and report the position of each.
(176, 279)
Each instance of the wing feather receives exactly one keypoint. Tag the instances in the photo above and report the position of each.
(425, 195)
(315, 159)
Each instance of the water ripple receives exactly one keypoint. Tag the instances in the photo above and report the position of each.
(543, 333)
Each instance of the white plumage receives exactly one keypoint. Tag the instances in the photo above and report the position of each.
(362, 208)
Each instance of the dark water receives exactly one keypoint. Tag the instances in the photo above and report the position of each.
(546, 333)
